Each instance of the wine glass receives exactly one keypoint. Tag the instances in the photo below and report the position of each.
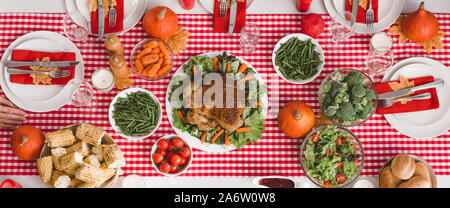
(83, 94)
(76, 27)
(378, 62)
(249, 37)
(341, 29)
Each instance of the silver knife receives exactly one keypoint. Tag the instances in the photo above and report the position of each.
(101, 19)
(233, 12)
(404, 92)
(46, 64)
(355, 8)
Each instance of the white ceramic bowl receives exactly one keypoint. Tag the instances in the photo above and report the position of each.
(124, 95)
(302, 37)
(180, 171)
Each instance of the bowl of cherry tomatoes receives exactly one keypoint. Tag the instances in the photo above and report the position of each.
(171, 155)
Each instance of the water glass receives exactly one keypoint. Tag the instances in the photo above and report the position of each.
(76, 27)
(379, 62)
(249, 38)
(341, 29)
(83, 94)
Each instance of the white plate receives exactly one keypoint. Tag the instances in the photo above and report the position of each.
(124, 95)
(194, 141)
(133, 11)
(40, 98)
(423, 124)
(209, 4)
(388, 11)
(302, 37)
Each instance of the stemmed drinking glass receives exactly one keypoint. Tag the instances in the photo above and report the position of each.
(76, 27)
(82, 95)
(341, 29)
(378, 62)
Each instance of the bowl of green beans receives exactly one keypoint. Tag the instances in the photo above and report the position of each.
(135, 113)
(298, 58)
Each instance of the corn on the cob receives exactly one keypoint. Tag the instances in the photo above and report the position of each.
(45, 167)
(80, 147)
(113, 156)
(97, 151)
(74, 183)
(106, 174)
(90, 134)
(56, 155)
(88, 173)
(92, 160)
(87, 185)
(60, 180)
(60, 138)
(70, 162)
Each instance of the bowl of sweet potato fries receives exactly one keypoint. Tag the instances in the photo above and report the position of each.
(151, 59)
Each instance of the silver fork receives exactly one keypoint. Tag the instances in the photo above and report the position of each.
(389, 101)
(223, 8)
(52, 74)
(112, 15)
(369, 15)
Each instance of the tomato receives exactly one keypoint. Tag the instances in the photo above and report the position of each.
(164, 167)
(8, 183)
(339, 141)
(158, 157)
(340, 164)
(169, 154)
(183, 161)
(340, 178)
(326, 183)
(175, 159)
(171, 147)
(328, 152)
(344, 140)
(337, 154)
(177, 142)
(163, 152)
(174, 169)
(185, 152)
(315, 139)
(163, 144)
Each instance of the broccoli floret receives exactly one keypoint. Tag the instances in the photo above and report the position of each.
(356, 100)
(346, 112)
(327, 101)
(369, 94)
(354, 78)
(365, 111)
(338, 77)
(358, 106)
(331, 110)
(364, 101)
(343, 97)
(358, 90)
(326, 87)
(337, 87)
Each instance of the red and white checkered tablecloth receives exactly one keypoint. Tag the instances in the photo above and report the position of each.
(274, 153)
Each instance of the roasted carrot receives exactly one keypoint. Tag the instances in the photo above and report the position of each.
(151, 44)
(217, 136)
(193, 70)
(154, 70)
(164, 69)
(243, 129)
(144, 52)
(139, 65)
(203, 137)
(248, 77)
(167, 61)
(228, 68)
(215, 63)
(163, 49)
(219, 128)
(227, 140)
(161, 55)
(149, 59)
(257, 103)
(181, 116)
(242, 68)
(156, 50)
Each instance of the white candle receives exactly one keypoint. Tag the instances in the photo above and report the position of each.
(103, 80)
(133, 181)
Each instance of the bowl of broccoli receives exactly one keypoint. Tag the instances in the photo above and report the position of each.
(348, 97)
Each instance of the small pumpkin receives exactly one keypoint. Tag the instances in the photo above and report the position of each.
(160, 22)
(421, 25)
(27, 142)
(296, 119)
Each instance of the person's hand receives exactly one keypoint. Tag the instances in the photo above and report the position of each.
(10, 115)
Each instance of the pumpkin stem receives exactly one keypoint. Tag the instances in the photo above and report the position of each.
(422, 5)
(24, 139)
(162, 13)
(297, 114)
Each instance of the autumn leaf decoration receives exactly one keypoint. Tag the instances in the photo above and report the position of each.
(402, 84)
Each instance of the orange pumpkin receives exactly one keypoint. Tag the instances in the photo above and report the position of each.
(421, 25)
(296, 119)
(160, 22)
(27, 142)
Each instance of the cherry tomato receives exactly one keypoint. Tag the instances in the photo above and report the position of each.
(183, 161)
(165, 167)
(328, 152)
(344, 140)
(337, 154)
(340, 178)
(174, 169)
(315, 139)
(8, 183)
(163, 152)
(171, 147)
(158, 157)
(169, 154)
(185, 152)
(163, 144)
(326, 183)
(339, 141)
(175, 159)
(177, 142)
(340, 164)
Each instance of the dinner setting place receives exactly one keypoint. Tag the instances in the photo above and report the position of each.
(266, 94)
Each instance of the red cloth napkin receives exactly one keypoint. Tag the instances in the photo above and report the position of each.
(410, 106)
(362, 12)
(27, 55)
(119, 22)
(220, 24)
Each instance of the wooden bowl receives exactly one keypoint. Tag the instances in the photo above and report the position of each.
(107, 139)
(416, 159)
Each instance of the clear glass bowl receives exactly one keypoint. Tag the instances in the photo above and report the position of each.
(138, 49)
(352, 137)
(367, 81)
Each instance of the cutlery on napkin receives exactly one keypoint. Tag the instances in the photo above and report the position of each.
(107, 29)
(361, 17)
(221, 24)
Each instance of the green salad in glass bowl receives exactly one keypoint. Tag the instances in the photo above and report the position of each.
(331, 156)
